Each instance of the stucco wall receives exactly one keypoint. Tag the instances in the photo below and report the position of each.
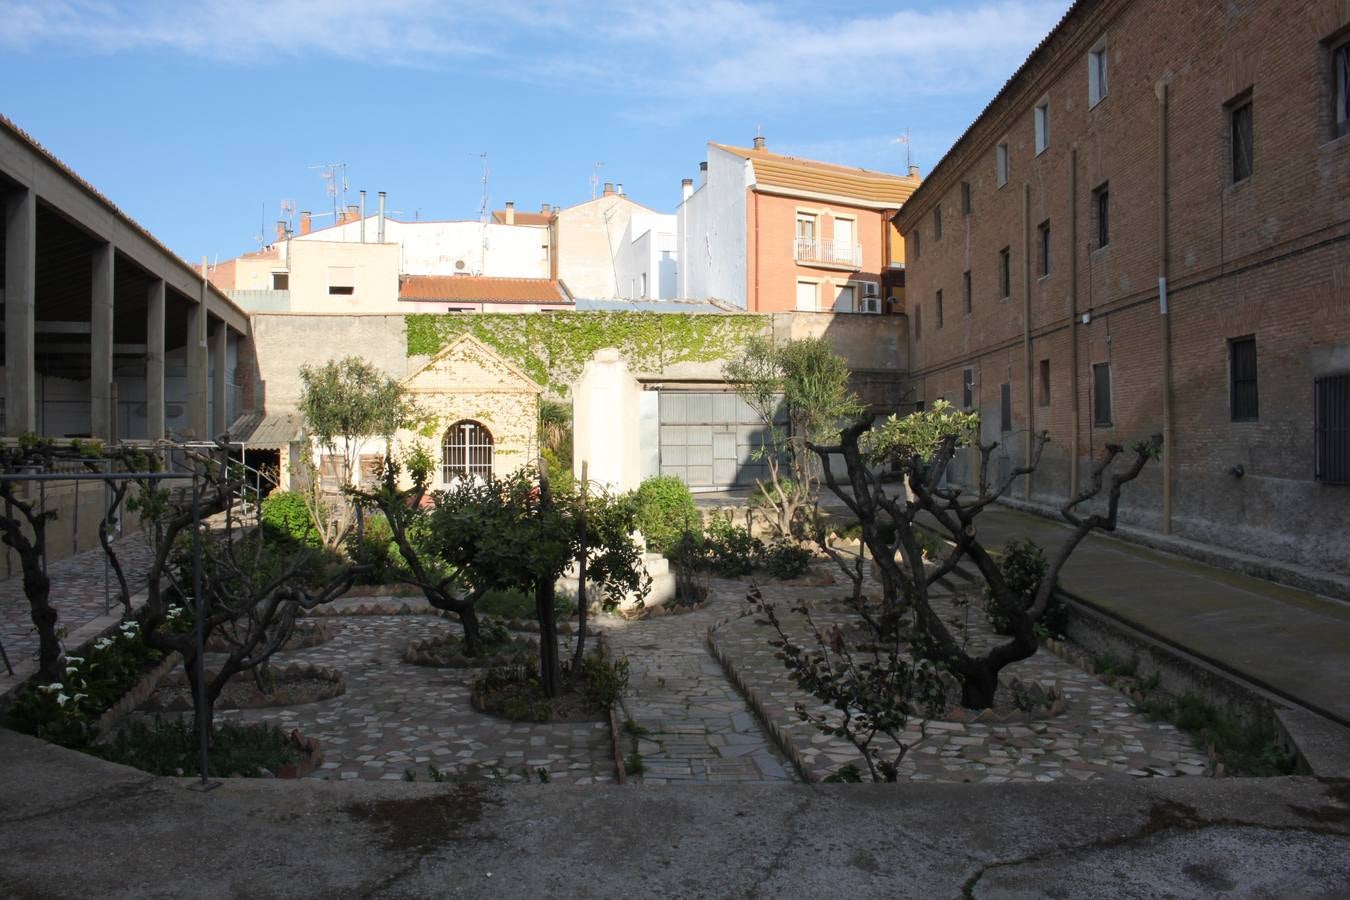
(438, 248)
(374, 269)
(711, 233)
(590, 236)
(284, 342)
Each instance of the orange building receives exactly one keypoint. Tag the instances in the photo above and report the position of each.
(772, 233)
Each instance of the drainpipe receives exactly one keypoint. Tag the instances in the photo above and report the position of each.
(363, 217)
(379, 223)
(1073, 317)
(1026, 333)
(755, 299)
(1164, 319)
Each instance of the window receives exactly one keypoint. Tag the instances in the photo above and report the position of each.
(1043, 232)
(341, 280)
(1005, 407)
(643, 295)
(939, 308)
(466, 452)
(1042, 126)
(806, 296)
(918, 323)
(1001, 161)
(1242, 378)
(806, 236)
(967, 199)
(1340, 87)
(843, 299)
(1101, 204)
(1045, 382)
(1101, 394)
(1097, 75)
(968, 388)
(1005, 272)
(1240, 137)
(331, 476)
(281, 281)
(937, 222)
(965, 291)
(1331, 428)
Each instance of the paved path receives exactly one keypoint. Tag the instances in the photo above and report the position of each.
(697, 726)
(1292, 642)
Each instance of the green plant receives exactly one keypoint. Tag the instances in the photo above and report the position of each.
(170, 747)
(786, 560)
(632, 728)
(1023, 566)
(375, 547)
(731, 551)
(286, 519)
(633, 765)
(1109, 664)
(665, 511)
(848, 773)
(1244, 748)
(512, 603)
(602, 682)
(689, 562)
(544, 777)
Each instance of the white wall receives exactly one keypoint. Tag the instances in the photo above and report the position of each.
(648, 248)
(435, 248)
(711, 233)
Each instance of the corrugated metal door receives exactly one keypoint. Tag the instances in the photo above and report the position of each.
(708, 439)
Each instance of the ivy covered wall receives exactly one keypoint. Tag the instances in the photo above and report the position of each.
(553, 347)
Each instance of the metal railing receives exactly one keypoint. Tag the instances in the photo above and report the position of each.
(825, 250)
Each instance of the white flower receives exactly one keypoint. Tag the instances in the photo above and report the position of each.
(103, 643)
(61, 699)
(78, 697)
(48, 688)
(75, 659)
(71, 670)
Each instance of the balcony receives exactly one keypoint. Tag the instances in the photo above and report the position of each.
(825, 252)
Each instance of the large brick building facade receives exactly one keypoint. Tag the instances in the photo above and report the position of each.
(1148, 230)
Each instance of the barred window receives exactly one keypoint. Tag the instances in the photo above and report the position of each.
(1242, 379)
(466, 451)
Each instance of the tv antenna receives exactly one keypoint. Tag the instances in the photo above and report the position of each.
(909, 156)
(335, 177)
(595, 177)
(483, 209)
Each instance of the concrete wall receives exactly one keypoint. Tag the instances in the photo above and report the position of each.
(1265, 257)
(439, 248)
(285, 342)
(647, 255)
(711, 233)
(590, 237)
(375, 268)
(606, 410)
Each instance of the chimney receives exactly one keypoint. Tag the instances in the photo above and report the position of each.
(545, 208)
(686, 188)
(379, 223)
(352, 212)
(363, 217)
(913, 171)
(759, 142)
(510, 212)
(281, 229)
(304, 221)
(618, 188)
(703, 173)
(609, 189)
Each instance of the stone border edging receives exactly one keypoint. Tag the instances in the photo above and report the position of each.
(280, 697)
(111, 717)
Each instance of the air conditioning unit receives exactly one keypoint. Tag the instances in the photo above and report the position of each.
(871, 303)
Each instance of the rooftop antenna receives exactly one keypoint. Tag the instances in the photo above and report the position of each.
(595, 177)
(261, 236)
(483, 209)
(909, 156)
(288, 213)
(335, 176)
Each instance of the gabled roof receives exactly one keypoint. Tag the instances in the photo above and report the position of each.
(793, 175)
(487, 360)
(481, 289)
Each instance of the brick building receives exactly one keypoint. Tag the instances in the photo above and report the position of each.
(1148, 230)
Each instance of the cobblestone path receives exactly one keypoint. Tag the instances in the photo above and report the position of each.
(1099, 735)
(395, 716)
(693, 724)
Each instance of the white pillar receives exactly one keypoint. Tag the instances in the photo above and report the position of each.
(606, 408)
(154, 360)
(101, 342)
(20, 312)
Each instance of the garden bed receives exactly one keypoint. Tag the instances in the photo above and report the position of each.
(293, 685)
(303, 636)
(448, 652)
(171, 747)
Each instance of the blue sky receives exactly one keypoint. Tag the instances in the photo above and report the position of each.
(199, 118)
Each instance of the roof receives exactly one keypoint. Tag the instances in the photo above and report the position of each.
(773, 170)
(483, 356)
(268, 432)
(482, 289)
(522, 218)
(1011, 86)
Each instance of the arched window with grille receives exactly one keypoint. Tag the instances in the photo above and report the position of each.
(466, 451)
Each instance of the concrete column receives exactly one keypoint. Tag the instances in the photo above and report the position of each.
(101, 342)
(20, 312)
(220, 380)
(198, 419)
(606, 404)
(154, 360)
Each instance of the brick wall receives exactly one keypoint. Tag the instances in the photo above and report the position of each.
(1268, 256)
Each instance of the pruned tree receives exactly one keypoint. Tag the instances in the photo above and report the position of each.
(923, 446)
(799, 392)
(345, 402)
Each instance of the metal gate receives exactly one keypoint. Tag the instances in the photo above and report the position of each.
(708, 439)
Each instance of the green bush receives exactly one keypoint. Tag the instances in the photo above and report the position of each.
(602, 682)
(375, 547)
(171, 748)
(285, 519)
(732, 551)
(786, 560)
(516, 604)
(665, 510)
(1023, 566)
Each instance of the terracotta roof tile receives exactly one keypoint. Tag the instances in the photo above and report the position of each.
(481, 289)
(773, 170)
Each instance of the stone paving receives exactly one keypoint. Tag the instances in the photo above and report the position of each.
(395, 716)
(1099, 735)
(694, 726)
(78, 592)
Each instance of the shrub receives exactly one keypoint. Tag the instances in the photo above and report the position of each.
(732, 552)
(602, 682)
(665, 510)
(516, 604)
(375, 547)
(689, 562)
(171, 748)
(1023, 566)
(286, 519)
(785, 559)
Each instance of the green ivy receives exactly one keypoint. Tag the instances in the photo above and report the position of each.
(552, 348)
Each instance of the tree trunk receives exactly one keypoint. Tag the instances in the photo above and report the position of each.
(550, 670)
(37, 586)
(468, 618)
(979, 682)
